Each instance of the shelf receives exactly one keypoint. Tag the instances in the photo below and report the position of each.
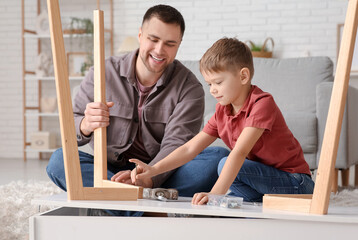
(36, 114)
(36, 36)
(35, 40)
(31, 150)
(35, 78)
(82, 35)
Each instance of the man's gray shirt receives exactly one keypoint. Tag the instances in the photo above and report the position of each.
(171, 115)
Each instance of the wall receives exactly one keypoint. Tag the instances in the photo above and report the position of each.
(10, 80)
(299, 28)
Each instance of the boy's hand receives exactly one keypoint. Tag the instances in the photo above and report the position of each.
(200, 198)
(127, 177)
(142, 174)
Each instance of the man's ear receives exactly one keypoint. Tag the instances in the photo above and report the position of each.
(244, 75)
(139, 34)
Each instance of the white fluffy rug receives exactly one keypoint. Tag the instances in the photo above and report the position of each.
(345, 198)
(16, 208)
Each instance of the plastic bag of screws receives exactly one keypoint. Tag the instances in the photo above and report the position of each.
(160, 193)
(224, 201)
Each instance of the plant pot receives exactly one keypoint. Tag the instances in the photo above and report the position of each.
(74, 31)
(262, 53)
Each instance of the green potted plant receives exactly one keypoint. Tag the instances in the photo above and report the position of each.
(83, 26)
(87, 64)
(80, 26)
(258, 50)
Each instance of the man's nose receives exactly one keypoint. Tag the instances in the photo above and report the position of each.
(159, 47)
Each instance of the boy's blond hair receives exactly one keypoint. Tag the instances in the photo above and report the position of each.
(227, 54)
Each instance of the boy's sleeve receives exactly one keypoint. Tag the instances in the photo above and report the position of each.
(262, 114)
(211, 127)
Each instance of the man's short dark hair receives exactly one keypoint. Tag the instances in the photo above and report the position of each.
(166, 14)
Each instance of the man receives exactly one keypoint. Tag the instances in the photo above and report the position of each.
(154, 105)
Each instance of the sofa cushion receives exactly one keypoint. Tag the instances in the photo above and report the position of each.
(303, 126)
(210, 101)
(292, 82)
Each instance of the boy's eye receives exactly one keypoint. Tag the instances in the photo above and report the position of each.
(218, 83)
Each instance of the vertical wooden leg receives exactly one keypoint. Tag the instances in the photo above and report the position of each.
(327, 161)
(334, 187)
(356, 176)
(345, 177)
(67, 124)
(100, 134)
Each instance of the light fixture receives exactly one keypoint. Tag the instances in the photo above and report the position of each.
(129, 44)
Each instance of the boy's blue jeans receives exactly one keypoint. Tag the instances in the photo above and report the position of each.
(198, 175)
(256, 179)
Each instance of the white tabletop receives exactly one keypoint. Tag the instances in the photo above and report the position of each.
(184, 206)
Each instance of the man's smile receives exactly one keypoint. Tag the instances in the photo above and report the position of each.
(156, 58)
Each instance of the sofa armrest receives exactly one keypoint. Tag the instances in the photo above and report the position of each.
(352, 102)
(323, 97)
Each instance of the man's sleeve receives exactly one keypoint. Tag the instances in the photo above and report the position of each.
(83, 96)
(183, 124)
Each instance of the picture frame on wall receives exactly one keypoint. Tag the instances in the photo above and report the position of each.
(75, 62)
(354, 68)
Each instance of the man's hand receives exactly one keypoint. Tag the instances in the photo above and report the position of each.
(122, 177)
(200, 198)
(96, 116)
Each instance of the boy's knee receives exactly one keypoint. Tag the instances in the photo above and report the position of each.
(221, 164)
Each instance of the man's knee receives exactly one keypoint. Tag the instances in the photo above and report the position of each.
(213, 154)
(55, 164)
(218, 152)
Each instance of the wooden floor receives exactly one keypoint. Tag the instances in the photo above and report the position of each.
(17, 169)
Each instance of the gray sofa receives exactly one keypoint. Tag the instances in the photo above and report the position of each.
(301, 88)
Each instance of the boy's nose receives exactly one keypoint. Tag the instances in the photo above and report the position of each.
(212, 90)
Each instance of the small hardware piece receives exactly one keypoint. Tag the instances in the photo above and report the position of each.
(160, 193)
(224, 201)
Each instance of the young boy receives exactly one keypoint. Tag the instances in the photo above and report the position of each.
(265, 157)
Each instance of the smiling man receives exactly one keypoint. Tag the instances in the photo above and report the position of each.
(154, 105)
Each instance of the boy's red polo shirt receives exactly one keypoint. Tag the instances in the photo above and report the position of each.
(277, 147)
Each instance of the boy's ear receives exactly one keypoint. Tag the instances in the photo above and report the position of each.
(244, 75)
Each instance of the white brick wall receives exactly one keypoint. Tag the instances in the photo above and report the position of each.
(298, 28)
